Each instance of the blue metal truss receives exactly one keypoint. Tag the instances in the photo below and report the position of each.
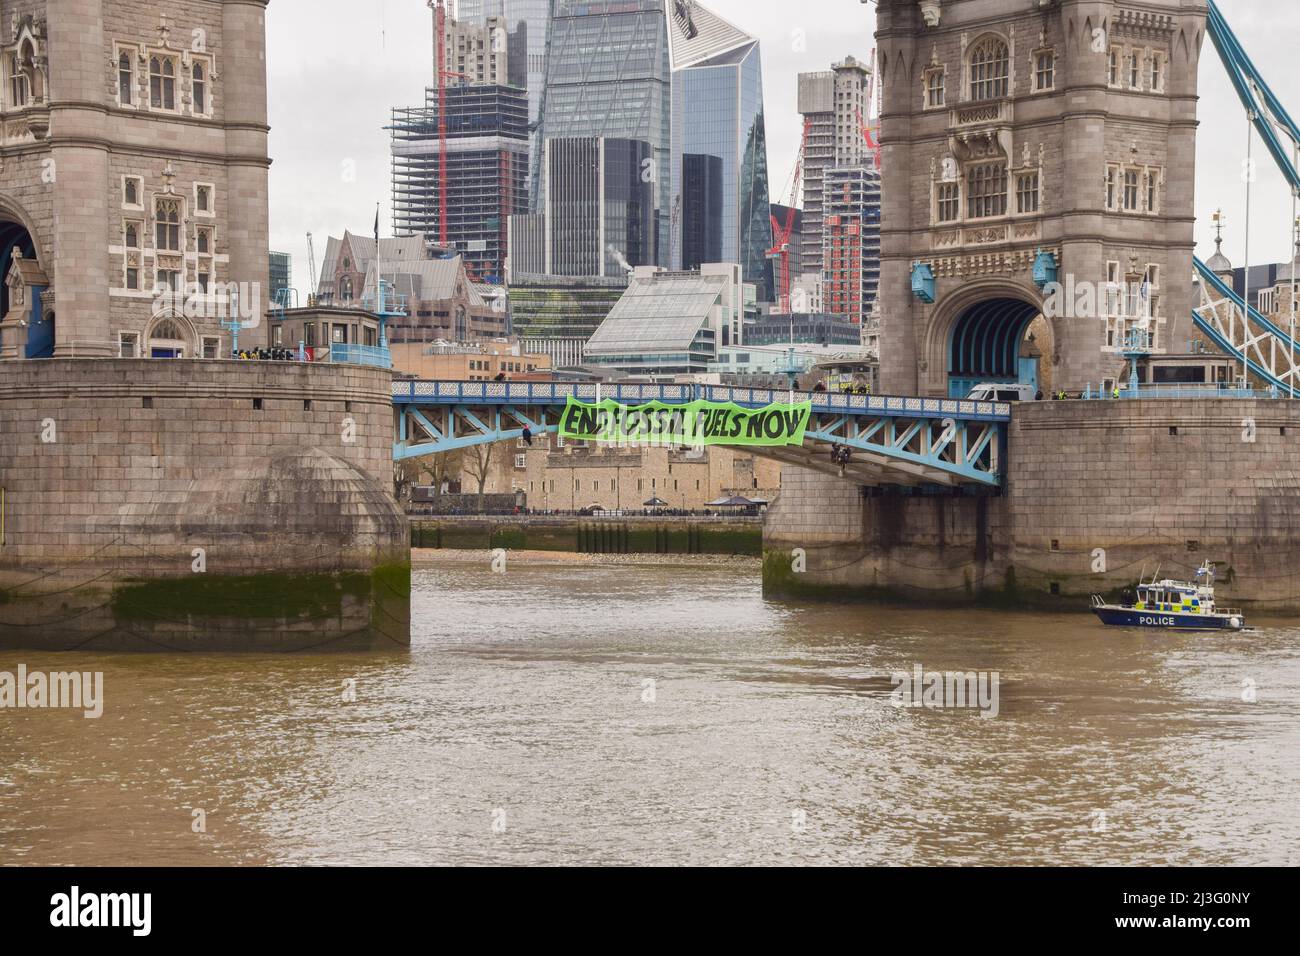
(944, 451)
(1265, 110)
(1238, 329)
(890, 439)
(1231, 324)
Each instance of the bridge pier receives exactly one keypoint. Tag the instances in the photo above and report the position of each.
(199, 505)
(1096, 493)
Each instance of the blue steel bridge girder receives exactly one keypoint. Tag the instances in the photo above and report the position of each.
(889, 439)
(1265, 110)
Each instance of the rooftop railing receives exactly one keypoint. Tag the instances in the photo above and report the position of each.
(372, 355)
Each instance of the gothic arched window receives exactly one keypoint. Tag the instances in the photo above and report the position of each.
(167, 221)
(125, 80)
(200, 89)
(162, 82)
(990, 69)
(167, 330)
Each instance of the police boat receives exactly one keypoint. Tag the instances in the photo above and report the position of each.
(1173, 605)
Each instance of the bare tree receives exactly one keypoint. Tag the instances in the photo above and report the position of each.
(476, 465)
(434, 469)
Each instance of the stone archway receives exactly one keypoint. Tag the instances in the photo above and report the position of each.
(24, 331)
(985, 344)
(981, 332)
(170, 336)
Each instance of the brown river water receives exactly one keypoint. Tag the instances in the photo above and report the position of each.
(570, 714)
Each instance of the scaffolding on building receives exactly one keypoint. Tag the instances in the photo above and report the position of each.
(851, 237)
(487, 163)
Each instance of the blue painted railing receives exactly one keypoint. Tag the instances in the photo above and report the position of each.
(371, 355)
(421, 392)
(1194, 390)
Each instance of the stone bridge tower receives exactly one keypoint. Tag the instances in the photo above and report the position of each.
(133, 158)
(1017, 128)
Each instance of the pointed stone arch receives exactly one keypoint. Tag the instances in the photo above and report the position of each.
(171, 335)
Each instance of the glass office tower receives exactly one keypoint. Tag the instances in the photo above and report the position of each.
(599, 217)
(718, 111)
(608, 75)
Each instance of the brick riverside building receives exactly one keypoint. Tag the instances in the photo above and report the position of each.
(426, 281)
(133, 155)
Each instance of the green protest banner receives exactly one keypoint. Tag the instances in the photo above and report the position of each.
(694, 423)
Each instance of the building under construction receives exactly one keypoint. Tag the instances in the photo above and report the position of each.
(850, 240)
(486, 135)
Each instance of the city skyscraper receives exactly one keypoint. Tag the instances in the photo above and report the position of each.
(281, 272)
(835, 103)
(717, 91)
(608, 74)
(599, 217)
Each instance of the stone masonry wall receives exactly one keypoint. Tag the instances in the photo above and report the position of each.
(1149, 483)
(255, 488)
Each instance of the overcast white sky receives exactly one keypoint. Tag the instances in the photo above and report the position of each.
(336, 67)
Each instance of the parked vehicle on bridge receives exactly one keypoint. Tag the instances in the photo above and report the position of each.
(1002, 392)
(1171, 605)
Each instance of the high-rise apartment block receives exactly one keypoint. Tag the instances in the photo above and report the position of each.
(835, 104)
(476, 52)
(851, 240)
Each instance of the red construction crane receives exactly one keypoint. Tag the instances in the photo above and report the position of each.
(781, 231)
(873, 147)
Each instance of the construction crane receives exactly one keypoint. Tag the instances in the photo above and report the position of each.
(311, 270)
(441, 73)
(873, 146)
(781, 231)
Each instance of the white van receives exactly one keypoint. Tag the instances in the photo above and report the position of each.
(1001, 392)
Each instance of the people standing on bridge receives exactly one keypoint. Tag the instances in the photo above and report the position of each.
(1114, 392)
